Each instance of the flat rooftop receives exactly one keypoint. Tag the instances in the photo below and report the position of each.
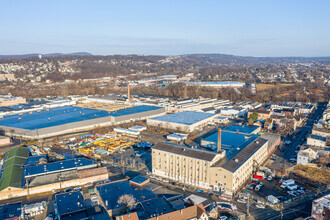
(53, 117)
(69, 202)
(242, 129)
(58, 166)
(185, 118)
(229, 139)
(111, 192)
(185, 151)
(133, 110)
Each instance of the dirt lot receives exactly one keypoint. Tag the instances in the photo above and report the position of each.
(262, 86)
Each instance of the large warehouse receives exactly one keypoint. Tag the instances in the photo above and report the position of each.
(57, 121)
(183, 121)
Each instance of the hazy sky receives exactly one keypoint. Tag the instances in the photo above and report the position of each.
(240, 27)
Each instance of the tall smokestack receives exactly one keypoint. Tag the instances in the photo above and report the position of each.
(219, 140)
(185, 92)
(128, 93)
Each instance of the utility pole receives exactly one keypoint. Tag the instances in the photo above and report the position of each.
(248, 205)
(281, 211)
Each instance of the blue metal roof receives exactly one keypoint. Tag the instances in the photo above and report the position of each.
(34, 160)
(111, 192)
(134, 110)
(186, 118)
(242, 129)
(139, 179)
(10, 211)
(53, 117)
(228, 139)
(57, 166)
(231, 141)
(69, 202)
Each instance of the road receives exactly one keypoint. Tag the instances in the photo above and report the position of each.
(299, 138)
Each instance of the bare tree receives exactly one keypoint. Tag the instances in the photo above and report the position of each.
(127, 200)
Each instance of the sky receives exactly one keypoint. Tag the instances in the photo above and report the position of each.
(159, 27)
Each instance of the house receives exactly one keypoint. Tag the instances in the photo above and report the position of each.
(321, 208)
(306, 156)
(263, 113)
(317, 141)
(161, 209)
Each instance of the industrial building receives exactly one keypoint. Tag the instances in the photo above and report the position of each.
(250, 129)
(23, 174)
(8, 100)
(57, 121)
(217, 84)
(225, 170)
(182, 121)
(4, 140)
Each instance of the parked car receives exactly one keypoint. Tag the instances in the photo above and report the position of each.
(260, 206)
(67, 190)
(241, 201)
(223, 217)
(77, 188)
(165, 181)
(270, 178)
(200, 191)
(191, 188)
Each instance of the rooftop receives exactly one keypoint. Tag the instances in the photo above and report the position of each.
(52, 117)
(228, 139)
(12, 170)
(320, 138)
(242, 129)
(139, 179)
(10, 211)
(111, 192)
(69, 202)
(185, 151)
(155, 207)
(58, 166)
(233, 162)
(134, 110)
(186, 118)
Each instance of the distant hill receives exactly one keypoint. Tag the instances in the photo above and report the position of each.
(45, 55)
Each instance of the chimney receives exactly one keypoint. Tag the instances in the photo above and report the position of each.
(128, 93)
(185, 92)
(219, 140)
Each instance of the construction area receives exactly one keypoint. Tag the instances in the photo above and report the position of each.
(109, 107)
(105, 146)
